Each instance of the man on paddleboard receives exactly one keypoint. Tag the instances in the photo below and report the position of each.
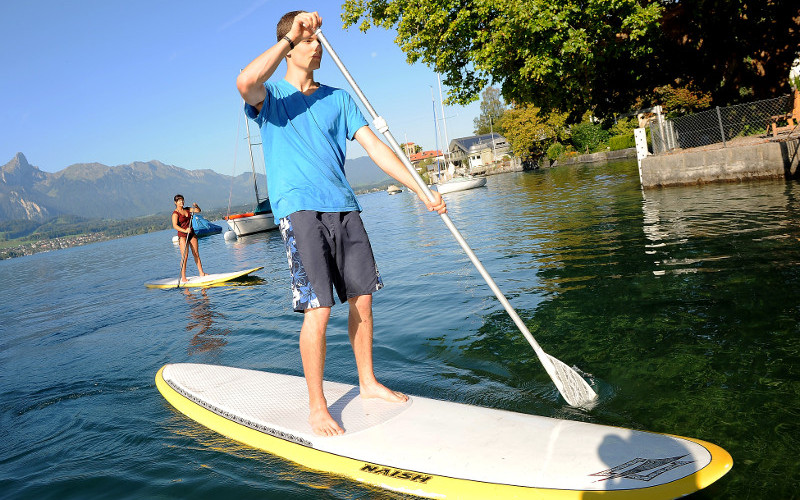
(304, 128)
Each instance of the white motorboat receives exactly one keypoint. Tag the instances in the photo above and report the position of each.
(393, 189)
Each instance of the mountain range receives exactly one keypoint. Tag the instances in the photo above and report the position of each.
(95, 190)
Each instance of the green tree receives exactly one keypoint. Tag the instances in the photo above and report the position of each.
(678, 101)
(624, 126)
(555, 150)
(568, 55)
(492, 109)
(733, 50)
(423, 164)
(588, 137)
(598, 55)
(531, 131)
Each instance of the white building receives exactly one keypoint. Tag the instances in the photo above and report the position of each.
(473, 154)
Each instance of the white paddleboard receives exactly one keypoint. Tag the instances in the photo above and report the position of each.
(440, 449)
(208, 280)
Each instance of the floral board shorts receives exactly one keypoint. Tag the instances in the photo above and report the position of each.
(328, 250)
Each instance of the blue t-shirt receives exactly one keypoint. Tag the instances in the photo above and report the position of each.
(304, 142)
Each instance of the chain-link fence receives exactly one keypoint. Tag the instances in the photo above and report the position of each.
(722, 125)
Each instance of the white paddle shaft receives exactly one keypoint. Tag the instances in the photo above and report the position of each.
(581, 395)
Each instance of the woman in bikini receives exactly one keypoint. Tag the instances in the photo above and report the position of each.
(182, 222)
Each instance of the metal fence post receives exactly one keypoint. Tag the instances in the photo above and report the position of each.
(721, 130)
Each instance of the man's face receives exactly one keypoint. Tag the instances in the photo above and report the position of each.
(307, 54)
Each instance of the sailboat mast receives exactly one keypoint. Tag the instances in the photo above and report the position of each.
(252, 162)
(444, 123)
(436, 134)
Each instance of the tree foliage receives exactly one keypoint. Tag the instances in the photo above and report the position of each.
(624, 126)
(556, 55)
(492, 109)
(588, 137)
(681, 100)
(598, 55)
(531, 131)
(732, 49)
(555, 150)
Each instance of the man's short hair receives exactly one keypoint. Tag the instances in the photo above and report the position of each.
(285, 24)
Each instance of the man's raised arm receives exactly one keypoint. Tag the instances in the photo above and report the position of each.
(250, 81)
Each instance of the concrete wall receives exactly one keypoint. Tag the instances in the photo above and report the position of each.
(512, 165)
(732, 164)
(602, 156)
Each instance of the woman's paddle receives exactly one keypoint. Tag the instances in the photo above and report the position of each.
(184, 253)
(575, 390)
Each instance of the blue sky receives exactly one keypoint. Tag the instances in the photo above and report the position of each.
(115, 82)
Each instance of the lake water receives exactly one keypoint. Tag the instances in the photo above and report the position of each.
(681, 303)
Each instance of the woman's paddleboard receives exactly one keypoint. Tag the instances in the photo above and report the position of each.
(208, 280)
(439, 449)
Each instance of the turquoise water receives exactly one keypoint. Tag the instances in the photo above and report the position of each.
(681, 303)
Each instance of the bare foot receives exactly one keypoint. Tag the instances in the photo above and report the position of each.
(380, 391)
(323, 424)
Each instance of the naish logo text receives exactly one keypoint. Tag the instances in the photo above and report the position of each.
(395, 473)
(642, 469)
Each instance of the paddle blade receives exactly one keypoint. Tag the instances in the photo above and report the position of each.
(572, 386)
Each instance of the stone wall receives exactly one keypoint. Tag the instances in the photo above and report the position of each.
(602, 156)
(768, 159)
(512, 165)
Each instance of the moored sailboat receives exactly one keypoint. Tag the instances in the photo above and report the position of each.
(458, 182)
(461, 183)
(261, 218)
